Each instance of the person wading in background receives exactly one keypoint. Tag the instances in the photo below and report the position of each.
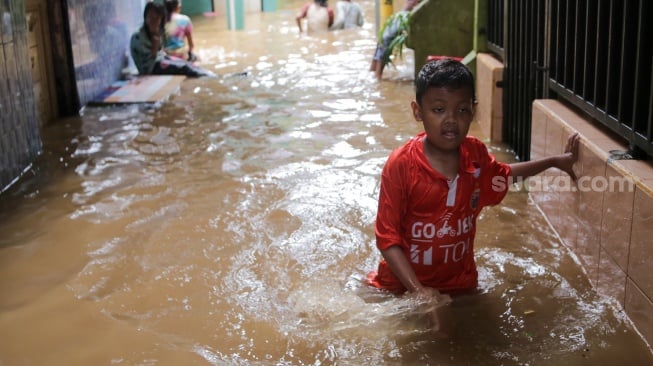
(348, 15)
(319, 17)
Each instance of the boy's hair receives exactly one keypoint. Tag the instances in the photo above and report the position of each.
(444, 73)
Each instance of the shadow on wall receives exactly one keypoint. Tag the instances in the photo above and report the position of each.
(99, 35)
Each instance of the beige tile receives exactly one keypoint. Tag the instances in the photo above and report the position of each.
(535, 190)
(548, 104)
(489, 114)
(641, 243)
(612, 279)
(588, 255)
(589, 213)
(640, 310)
(498, 92)
(545, 185)
(562, 112)
(497, 97)
(549, 202)
(569, 221)
(485, 126)
(591, 164)
(617, 218)
(647, 185)
(566, 220)
(497, 129)
(643, 169)
(538, 132)
(554, 130)
(484, 91)
(640, 171)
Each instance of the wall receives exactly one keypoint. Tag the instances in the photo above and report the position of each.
(489, 111)
(441, 27)
(195, 7)
(608, 220)
(20, 141)
(40, 60)
(608, 226)
(99, 34)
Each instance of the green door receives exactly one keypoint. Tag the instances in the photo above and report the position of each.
(194, 7)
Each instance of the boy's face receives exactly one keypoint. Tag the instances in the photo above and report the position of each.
(446, 115)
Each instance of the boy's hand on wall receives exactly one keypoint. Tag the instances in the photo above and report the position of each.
(570, 156)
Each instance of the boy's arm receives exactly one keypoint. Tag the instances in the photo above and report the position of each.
(564, 161)
(400, 266)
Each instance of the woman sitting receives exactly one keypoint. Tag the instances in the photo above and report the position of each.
(146, 47)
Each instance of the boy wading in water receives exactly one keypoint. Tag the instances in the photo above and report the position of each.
(435, 185)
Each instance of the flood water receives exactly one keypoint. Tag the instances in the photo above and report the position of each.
(234, 223)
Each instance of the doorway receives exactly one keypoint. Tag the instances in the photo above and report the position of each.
(40, 61)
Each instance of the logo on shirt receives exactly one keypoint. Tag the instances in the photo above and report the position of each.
(449, 253)
(444, 233)
(422, 231)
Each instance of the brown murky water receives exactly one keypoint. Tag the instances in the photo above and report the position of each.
(233, 224)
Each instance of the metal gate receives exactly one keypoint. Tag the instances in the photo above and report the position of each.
(593, 54)
(526, 69)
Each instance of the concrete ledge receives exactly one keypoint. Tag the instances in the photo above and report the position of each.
(606, 218)
(489, 111)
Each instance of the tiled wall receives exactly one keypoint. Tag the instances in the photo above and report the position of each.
(20, 141)
(610, 230)
(608, 220)
(100, 31)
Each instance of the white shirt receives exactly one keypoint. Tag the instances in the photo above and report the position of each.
(348, 15)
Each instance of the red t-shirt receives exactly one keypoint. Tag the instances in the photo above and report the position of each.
(432, 219)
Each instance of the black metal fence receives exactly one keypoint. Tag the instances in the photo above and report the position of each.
(495, 29)
(595, 54)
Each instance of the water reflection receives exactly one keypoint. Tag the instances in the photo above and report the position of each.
(233, 225)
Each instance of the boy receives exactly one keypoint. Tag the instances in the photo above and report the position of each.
(434, 187)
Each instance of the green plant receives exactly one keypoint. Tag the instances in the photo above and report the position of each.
(396, 28)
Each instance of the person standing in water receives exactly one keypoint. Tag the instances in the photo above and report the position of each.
(319, 17)
(391, 29)
(179, 32)
(146, 47)
(434, 187)
(348, 15)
